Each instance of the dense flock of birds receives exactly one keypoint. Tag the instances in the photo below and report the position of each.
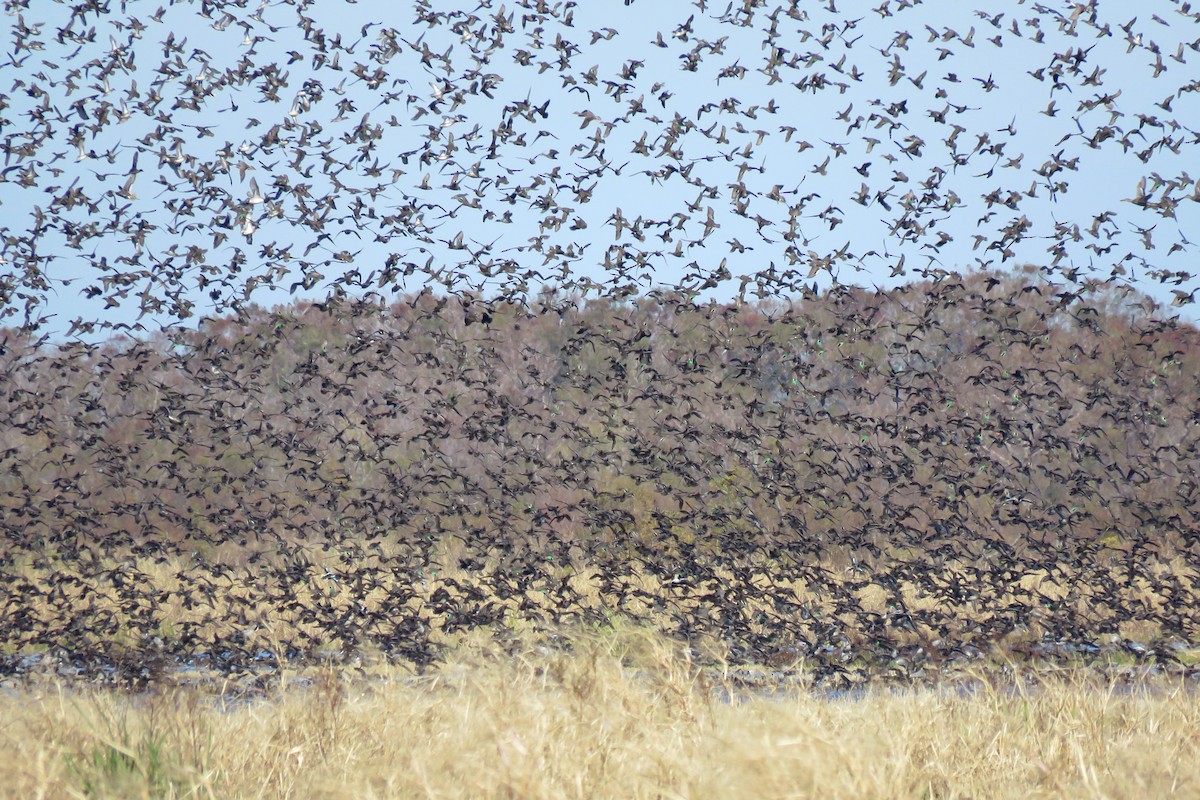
(599, 350)
(870, 483)
(196, 158)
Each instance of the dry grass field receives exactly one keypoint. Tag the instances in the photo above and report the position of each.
(130, 620)
(640, 550)
(620, 714)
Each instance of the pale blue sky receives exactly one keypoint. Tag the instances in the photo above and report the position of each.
(925, 82)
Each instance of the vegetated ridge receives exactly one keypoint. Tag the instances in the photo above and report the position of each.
(868, 481)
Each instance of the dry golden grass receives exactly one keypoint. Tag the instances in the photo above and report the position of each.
(179, 607)
(622, 714)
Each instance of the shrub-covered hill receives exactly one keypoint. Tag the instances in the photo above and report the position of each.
(987, 427)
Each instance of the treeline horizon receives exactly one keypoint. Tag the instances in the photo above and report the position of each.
(989, 408)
